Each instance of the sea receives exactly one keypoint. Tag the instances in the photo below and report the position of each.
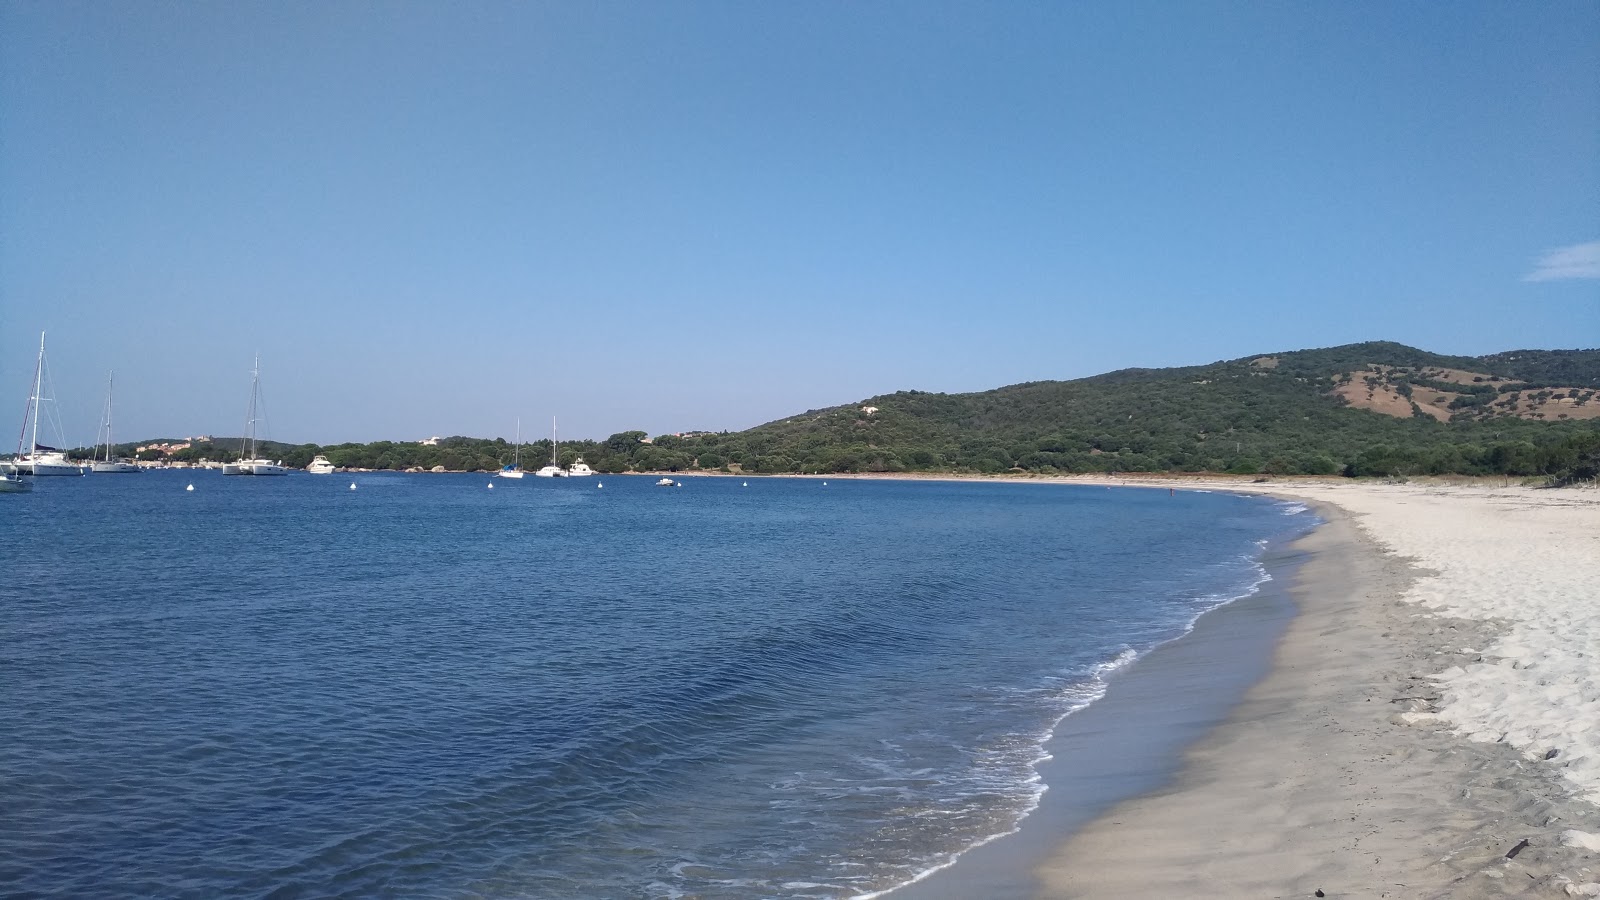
(453, 686)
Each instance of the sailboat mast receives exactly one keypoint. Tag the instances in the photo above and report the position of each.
(38, 387)
(516, 455)
(110, 380)
(552, 440)
(247, 449)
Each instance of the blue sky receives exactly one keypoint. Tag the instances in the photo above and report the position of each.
(436, 218)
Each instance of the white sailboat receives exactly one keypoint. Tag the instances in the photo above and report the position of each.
(42, 461)
(552, 470)
(249, 463)
(105, 465)
(13, 480)
(515, 469)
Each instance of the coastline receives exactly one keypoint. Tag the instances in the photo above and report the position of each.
(1356, 767)
(1132, 739)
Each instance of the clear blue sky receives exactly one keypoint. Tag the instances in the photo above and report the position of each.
(433, 218)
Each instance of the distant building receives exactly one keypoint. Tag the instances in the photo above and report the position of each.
(430, 442)
(869, 410)
(163, 447)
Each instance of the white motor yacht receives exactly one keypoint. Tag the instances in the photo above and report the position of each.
(320, 466)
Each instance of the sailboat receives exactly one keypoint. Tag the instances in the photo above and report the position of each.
(12, 480)
(515, 469)
(249, 463)
(41, 461)
(552, 470)
(105, 465)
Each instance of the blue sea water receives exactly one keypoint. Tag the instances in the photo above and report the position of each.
(429, 688)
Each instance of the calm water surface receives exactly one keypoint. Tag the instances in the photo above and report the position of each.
(428, 688)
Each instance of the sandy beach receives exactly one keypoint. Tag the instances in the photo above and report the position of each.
(1429, 724)
(1435, 704)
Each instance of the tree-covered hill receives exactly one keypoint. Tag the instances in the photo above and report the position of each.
(1278, 412)
(1377, 408)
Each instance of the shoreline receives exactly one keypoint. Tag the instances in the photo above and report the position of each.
(1342, 770)
(1132, 739)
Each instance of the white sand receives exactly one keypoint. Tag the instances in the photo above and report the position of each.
(1489, 640)
(1530, 559)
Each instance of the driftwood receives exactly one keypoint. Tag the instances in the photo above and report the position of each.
(1512, 853)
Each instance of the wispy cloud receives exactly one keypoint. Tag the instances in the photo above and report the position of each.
(1576, 261)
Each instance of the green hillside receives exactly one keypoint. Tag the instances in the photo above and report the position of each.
(1273, 413)
(1376, 408)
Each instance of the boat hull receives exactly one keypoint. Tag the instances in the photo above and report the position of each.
(254, 467)
(112, 467)
(15, 484)
(49, 464)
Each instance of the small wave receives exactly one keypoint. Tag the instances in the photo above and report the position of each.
(1079, 695)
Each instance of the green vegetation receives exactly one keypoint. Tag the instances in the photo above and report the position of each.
(1275, 414)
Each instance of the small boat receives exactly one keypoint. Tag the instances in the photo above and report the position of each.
(515, 469)
(320, 466)
(579, 469)
(249, 463)
(665, 482)
(106, 465)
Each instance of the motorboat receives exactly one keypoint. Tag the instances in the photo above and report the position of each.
(579, 469)
(665, 482)
(320, 466)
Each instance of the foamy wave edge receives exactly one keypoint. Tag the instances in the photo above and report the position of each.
(1094, 687)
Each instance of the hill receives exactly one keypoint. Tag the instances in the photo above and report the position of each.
(1373, 408)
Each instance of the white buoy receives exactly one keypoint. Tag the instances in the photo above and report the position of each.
(824, 484)
(491, 485)
(352, 485)
(189, 488)
(599, 484)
